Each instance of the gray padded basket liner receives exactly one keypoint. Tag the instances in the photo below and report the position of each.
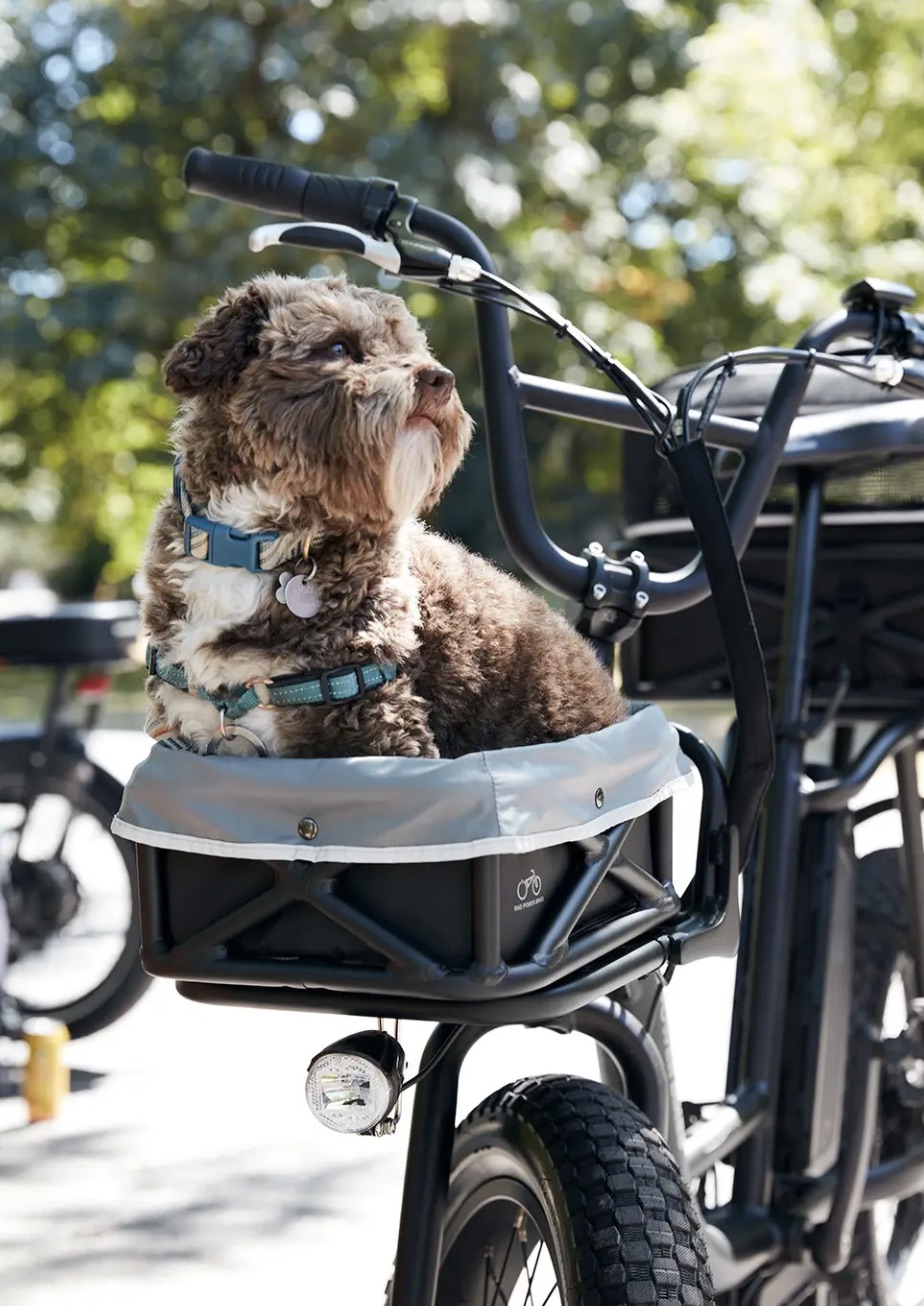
(395, 809)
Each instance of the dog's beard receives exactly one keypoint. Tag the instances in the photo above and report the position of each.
(412, 468)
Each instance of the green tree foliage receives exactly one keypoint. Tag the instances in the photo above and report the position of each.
(680, 177)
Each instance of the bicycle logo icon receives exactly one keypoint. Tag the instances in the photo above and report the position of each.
(531, 882)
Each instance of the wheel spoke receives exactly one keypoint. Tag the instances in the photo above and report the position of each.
(529, 1278)
(497, 1287)
(530, 1273)
(499, 1277)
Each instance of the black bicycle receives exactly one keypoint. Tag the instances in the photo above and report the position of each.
(66, 881)
(558, 1189)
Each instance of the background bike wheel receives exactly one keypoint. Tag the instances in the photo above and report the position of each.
(886, 1267)
(88, 973)
(563, 1194)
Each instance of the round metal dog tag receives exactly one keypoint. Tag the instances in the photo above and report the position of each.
(302, 597)
(229, 732)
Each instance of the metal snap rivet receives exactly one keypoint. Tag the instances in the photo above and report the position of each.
(308, 828)
(598, 797)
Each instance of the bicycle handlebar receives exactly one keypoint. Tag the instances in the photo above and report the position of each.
(291, 192)
(374, 205)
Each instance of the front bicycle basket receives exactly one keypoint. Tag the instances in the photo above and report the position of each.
(489, 875)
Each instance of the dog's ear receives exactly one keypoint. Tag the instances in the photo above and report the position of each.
(216, 353)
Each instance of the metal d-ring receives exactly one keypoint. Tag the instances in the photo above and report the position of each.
(232, 732)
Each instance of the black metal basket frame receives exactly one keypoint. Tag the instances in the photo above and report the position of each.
(564, 969)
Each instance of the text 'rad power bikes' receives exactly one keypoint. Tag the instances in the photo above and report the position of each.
(559, 1190)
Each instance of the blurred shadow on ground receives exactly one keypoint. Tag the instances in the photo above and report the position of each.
(81, 1080)
(149, 1213)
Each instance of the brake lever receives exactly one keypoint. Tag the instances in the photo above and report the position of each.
(404, 255)
(328, 236)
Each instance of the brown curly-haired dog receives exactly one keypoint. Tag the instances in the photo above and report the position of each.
(315, 410)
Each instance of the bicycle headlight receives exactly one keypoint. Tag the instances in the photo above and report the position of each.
(353, 1084)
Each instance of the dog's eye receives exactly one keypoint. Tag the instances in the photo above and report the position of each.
(337, 349)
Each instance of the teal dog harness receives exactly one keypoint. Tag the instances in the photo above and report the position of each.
(222, 546)
(313, 689)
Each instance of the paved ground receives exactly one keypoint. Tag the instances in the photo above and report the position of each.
(186, 1167)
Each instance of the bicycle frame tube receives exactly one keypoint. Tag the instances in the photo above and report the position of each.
(909, 806)
(426, 1176)
(760, 998)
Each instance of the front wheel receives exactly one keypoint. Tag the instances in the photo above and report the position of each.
(563, 1194)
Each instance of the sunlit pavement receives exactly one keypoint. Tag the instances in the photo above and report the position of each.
(185, 1165)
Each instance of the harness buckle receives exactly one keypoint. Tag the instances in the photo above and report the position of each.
(225, 546)
(325, 677)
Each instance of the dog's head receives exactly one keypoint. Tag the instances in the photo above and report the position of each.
(323, 396)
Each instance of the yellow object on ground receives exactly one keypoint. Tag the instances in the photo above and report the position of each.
(47, 1078)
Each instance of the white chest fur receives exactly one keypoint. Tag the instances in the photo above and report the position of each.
(217, 600)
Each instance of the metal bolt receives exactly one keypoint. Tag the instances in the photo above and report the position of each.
(642, 599)
(637, 556)
(595, 548)
(599, 592)
(598, 797)
(308, 828)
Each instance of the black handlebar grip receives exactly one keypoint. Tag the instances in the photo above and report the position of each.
(290, 192)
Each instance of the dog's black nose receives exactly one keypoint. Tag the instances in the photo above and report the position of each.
(438, 379)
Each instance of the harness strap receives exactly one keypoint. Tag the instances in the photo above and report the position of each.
(341, 685)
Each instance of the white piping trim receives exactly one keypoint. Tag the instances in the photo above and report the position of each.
(505, 843)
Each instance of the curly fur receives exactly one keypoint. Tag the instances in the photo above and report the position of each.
(314, 408)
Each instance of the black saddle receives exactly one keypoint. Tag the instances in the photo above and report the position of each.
(73, 635)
